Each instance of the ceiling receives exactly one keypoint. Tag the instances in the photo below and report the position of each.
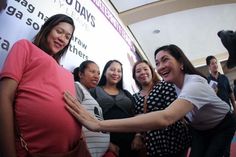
(190, 24)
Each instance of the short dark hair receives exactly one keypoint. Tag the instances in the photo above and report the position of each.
(103, 79)
(155, 78)
(81, 69)
(209, 58)
(41, 36)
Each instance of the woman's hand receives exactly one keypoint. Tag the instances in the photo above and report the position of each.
(80, 113)
(137, 142)
(114, 148)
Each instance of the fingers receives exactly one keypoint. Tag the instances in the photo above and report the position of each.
(71, 101)
(80, 112)
(73, 106)
(137, 143)
(114, 148)
(73, 112)
(69, 98)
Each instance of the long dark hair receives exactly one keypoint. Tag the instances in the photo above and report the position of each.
(155, 78)
(179, 55)
(103, 79)
(81, 69)
(41, 37)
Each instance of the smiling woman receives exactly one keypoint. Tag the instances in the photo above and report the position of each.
(58, 36)
(116, 103)
(31, 87)
(87, 77)
(213, 125)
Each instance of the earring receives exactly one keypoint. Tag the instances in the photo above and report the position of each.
(182, 68)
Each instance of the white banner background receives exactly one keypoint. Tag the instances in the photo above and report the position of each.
(95, 38)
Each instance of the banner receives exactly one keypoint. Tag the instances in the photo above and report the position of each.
(98, 35)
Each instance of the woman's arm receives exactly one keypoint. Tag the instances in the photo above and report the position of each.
(150, 121)
(7, 135)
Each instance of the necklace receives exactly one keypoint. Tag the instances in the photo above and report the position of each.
(145, 92)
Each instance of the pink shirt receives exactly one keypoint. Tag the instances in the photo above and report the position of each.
(40, 110)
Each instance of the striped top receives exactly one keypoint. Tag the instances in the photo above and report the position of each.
(97, 142)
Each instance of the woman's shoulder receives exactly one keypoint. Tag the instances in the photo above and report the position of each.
(194, 79)
(81, 86)
(194, 84)
(126, 92)
(25, 43)
(24, 47)
(78, 84)
(96, 91)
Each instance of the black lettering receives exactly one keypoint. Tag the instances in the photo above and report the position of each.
(12, 11)
(36, 26)
(76, 39)
(92, 21)
(85, 13)
(82, 13)
(88, 15)
(79, 42)
(29, 21)
(19, 15)
(70, 48)
(24, 3)
(33, 24)
(69, 2)
(31, 8)
(85, 57)
(42, 16)
(77, 6)
(4, 44)
(74, 50)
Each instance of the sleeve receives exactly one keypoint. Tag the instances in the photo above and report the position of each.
(16, 62)
(79, 92)
(129, 95)
(93, 93)
(197, 92)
